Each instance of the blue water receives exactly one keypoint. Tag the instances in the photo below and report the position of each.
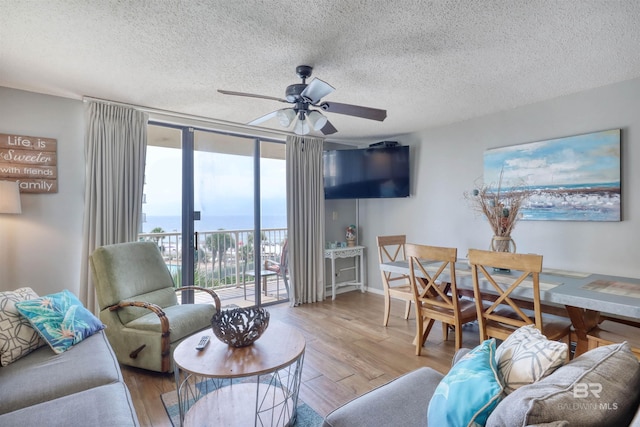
(212, 223)
(580, 202)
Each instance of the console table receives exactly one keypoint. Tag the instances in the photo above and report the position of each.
(355, 252)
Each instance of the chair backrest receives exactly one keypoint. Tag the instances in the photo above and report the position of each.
(523, 267)
(126, 271)
(391, 248)
(427, 264)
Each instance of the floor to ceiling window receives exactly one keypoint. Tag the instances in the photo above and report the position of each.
(216, 206)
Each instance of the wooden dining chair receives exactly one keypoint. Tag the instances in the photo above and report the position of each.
(391, 248)
(611, 331)
(507, 313)
(435, 296)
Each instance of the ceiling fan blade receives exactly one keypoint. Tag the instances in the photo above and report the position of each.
(328, 129)
(251, 95)
(316, 90)
(264, 118)
(355, 110)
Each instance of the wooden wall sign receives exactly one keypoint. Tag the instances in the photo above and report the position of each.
(31, 161)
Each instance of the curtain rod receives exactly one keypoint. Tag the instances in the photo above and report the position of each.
(186, 116)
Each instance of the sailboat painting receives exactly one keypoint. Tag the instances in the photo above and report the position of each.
(576, 178)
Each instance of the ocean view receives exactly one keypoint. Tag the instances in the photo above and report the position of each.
(582, 202)
(212, 223)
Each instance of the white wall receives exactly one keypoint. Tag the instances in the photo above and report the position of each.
(41, 247)
(448, 159)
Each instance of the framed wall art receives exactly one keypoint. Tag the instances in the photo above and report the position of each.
(576, 178)
(31, 161)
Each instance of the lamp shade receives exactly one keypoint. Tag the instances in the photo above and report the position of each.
(10, 198)
(317, 120)
(301, 127)
(286, 116)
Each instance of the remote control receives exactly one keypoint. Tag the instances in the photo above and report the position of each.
(203, 342)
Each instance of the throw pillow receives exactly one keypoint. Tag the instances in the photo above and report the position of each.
(61, 319)
(598, 388)
(469, 392)
(17, 337)
(526, 356)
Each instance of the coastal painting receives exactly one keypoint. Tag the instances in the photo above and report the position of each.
(576, 178)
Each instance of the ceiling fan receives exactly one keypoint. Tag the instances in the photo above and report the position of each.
(304, 98)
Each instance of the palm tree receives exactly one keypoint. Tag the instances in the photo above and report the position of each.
(218, 243)
(158, 240)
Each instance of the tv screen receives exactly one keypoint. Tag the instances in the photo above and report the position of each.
(368, 173)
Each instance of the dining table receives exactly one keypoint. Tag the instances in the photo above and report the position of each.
(587, 298)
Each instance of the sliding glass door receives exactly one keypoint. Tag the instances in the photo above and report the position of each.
(162, 203)
(230, 202)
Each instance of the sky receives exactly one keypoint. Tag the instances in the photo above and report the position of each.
(223, 183)
(582, 159)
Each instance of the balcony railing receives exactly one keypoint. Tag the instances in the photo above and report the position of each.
(222, 257)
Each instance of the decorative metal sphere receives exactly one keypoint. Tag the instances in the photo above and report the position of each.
(240, 327)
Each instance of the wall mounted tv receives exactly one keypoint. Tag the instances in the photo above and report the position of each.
(367, 173)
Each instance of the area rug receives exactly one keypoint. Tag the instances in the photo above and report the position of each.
(306, 417)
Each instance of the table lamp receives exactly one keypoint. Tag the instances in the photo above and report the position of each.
(9, 198)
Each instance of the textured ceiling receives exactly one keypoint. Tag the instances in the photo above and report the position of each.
(426, 63)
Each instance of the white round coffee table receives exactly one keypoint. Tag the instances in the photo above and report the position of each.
(256, 385)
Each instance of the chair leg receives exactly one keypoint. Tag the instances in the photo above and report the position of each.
(286, 284)
(387, 308)
(419, 333)
(483, 332)
(458, 333)
(445, 331)
(423, 332)
(407, 309)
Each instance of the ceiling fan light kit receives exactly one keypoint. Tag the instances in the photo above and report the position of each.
(286, 116)
(303, 96)
(317, 120)
(301, 127)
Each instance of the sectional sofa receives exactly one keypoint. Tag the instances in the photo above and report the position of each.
(57, 367)
(598, 388)
(81, 387)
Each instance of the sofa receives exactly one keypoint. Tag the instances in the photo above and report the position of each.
(82, 386)
(599, 388)
(43, 384)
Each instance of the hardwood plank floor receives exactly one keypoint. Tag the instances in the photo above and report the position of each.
(348, 353)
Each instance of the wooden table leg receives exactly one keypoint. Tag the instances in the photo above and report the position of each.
(583, 322)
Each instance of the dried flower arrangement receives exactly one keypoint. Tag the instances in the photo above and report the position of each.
(500, 206)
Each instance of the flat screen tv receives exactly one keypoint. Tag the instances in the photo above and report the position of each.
(370, 173)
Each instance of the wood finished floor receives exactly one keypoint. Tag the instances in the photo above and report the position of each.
(348, 353)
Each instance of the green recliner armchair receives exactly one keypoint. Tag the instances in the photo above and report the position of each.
(138, 304)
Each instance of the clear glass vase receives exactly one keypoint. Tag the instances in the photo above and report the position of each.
(503, 244)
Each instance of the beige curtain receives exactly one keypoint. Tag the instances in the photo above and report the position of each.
(305, 219)
(115, 152)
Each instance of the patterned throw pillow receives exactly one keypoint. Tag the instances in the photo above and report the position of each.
(471, 390)
(597, 388)
(527, 356)
(17, 337)
(61, 319)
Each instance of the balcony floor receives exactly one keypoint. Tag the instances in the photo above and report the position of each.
(233, 296)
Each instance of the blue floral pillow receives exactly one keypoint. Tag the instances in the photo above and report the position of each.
(471, 390)
(60, 319)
